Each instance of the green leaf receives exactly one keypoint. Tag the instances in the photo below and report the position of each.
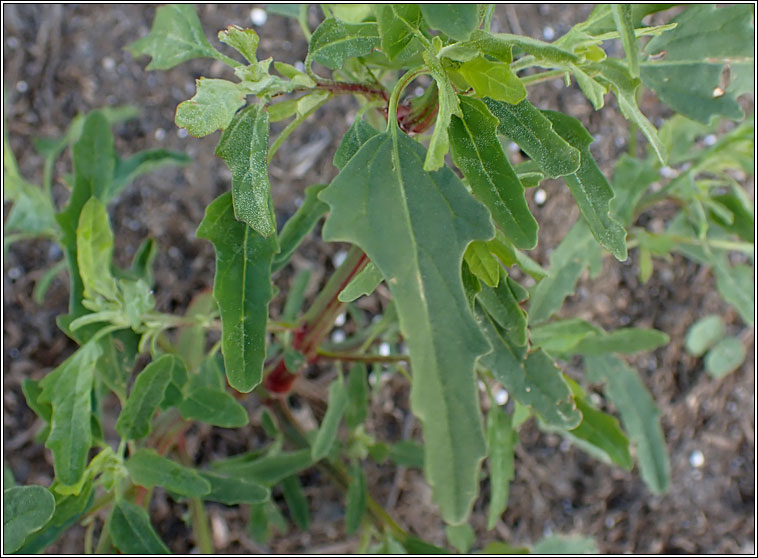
(357, 498)
(630, 180)
(215, 407)
(327, 432)
(704, 333)
(414, 545)
(501, 439)
(364, 283)
(419, 252)
(497, 547)
(491, 43)
(478, 153)
(532, 379)
(407, 453)
(534, 133)
(561, 336)
(94, 250)
(357, 395)
(639, 416)
(397, 25)
(736, 286)
(144, 258)
(175, 37)
(448, 106)
(725, 357)
(211, 108)
(26, 509)
(299, 225)
(145, 397)
(358, 134)
(577, 251)
(743, 220)
(32, 391)
(593, 90)
(335, 41)
(147, 468)
(286, 10)
(482, 263)
(231, 491)
(455, 20)
(501, 304)
(509, 255)
(493, 79)
(143, 162)
(566, 544)
(461, 537)
(242, 289)
(622, 17)
(626, 340)
(589, 186)
(68, 389)
(297, 502)
(243, 147)
(268, 470)
(191, 344)
(131, 531)
(689, 76)
(245, 41)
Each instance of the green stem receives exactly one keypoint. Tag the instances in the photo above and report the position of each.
(291, 128)
(227, 60)
(542, 76)
(361, 357)
(102, 543)
(401, 84)
(200, 527)
(523, 63)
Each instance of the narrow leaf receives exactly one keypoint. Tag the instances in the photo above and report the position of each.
(455, 20)
(297, 502)
(94, 250)
(478, 153)
(232, 491)
(267, 470)
(448, 106)
(357, 499)
(131, 531)
(501, 304)
(357, 395)
(419, 252)
(327, 432)
(544, 52)
(242, 289)
(26, 509)
(335, 41)
(736, 285)
(212, 406)
(622, 17)
(147, 468)
(299, 225)
(143, 162)
(364, 283)
(626, 341)
(501, 439)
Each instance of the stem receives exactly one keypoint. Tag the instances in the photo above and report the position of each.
(200, 527)
(361, 357)
(227, 59)
(88, 536)
(102, 543)
(542, 76)
(401, 84)
(291, 128)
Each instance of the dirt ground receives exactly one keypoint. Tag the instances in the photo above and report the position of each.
(62, 60)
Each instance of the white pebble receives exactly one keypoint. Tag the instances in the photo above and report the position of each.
(384, 349)
(182, 132)
(338, 258)
(300, 66)
(109, 64)
(513, 147)
(160, 134)
(668, 172)
(697, 459)
(22, 86)
(338, 336)
(501, 397)
(340, 320)
(258, 16)
(548, 33)
(710, 139)
(540, 196)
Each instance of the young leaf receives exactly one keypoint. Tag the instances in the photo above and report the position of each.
(622, 17)
(147, 468)
(589, 186)
(477, 152)
(493, 79)
(335, 41)
(299, 225)
(68, 389)
(297, 502)
(242, 289)
(501, 439)
(146, 395)
(267, 470)
(534, 133)
(357, 395)
(697, 52)
(397, 25)
(639, 415)
(215, 407)
(725, 357)
(448, 106)
(501, 304)
(243, 147)
(419, 252)
(211, 108)
(26, 509)
(704, 333)
(176, 36)
(357, 497)
(131, 531)
(245, 41)
(480, 261)
(94, 250)
(232, 491)
(455, 20)
(364, 283)
(327, 432)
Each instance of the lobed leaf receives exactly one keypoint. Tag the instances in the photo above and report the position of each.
(335, 41)
(448, 106)
(147, 468)
(26, 509)
(455, 20)
(131, 531)
(244, 41)
(242, 289)
(211, 108)
(397, 25)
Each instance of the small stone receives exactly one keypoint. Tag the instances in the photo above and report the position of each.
(697, 459)
(540, 196)
(258, 16)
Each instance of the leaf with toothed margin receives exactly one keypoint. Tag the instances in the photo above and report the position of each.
(448, 106)
(211, 108)
(455, 20)
(334, 41)
(415, 226)
(242, 289)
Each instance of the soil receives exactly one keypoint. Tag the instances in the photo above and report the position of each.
(63, 60)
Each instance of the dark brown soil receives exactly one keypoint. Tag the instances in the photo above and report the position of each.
(62, 60)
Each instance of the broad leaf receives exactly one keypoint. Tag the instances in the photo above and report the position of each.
(267, 470)
(299, 225)
(243, 147)
(68, 389)
(639, 415)
(145, 397)
(357, 498)
(415, 227)
(725, 357)
(501, 439)
(335, 41)
(213, 406)
(26, 509)
(327, 432)
(688, 77)
(131, 531)
(211, 108)
(358, 134)
(397, 25)
(147, 468)
(232, 491)
(448, 106)
(534, 133)
(176, 36)
(455, 20)
(94, 250)
(364, 283)
(589, 186)
(477, 152)
(242, 289)
(493, 79)
(704, 333)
